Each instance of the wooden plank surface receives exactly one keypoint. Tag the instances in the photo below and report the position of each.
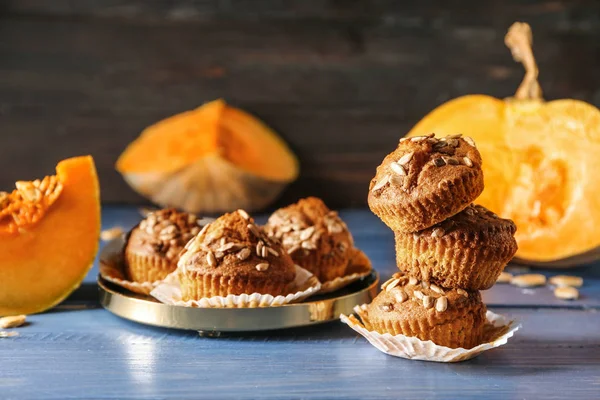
(341, 81)
(92, 354)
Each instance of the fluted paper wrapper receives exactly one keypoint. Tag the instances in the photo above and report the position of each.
(497, 331)
(112, 269)
(305, 285)
(358, 267)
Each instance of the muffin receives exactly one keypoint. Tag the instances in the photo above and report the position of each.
(152, 248)
(232, 255)
(468, 250)
(448, 317)
(425, 181)
(315, 237)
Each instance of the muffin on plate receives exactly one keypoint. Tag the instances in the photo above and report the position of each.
(468, 250)
(448, 317)
(152, 248)
(314, 236)
(425, 181)
(232, 255)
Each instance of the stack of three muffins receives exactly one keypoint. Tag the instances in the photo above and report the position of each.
(447, 249)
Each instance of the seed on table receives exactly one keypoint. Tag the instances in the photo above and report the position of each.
(112, 233)
(566, 280)
(504, 277)
(528, 280)
(566, 293)
(12, 321)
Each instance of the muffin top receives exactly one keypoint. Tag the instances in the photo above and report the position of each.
(163, 233)
(405, 298)
(420, 164)
(473, 223)
(233, 245)
(309, 226)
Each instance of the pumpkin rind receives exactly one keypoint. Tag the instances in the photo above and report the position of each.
(43, 264)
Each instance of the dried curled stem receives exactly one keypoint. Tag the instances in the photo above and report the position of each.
(519, 40)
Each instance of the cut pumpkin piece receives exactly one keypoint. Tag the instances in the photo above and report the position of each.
(49, 234)
(540, 162)
(216, 158)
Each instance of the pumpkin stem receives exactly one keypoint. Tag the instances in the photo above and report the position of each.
(519, 40)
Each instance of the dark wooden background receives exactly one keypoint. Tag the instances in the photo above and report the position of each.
(340, 80)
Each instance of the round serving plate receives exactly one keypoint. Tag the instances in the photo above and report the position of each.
(213, 321)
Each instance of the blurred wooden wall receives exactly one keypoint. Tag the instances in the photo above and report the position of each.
(342, 81)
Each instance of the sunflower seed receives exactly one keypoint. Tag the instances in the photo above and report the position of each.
(455, 136)
(463, 292)
(400, 296)
(452, 161)
(264, 252)
(392, 285)
(243, 254)
(469, 140)
(504, 277)
(262, 267)
(467, 161)
(437, 233)
(7, 334)
(397, 180)
(406, 158)
(441, 304)
(452, 142)
(566, 280)
(219, 255)
(439, 145)
(259, 247)
(12, 321)
(386, 307)
(272, 251)
(293, 249)
(229, 246)
(384, 284)
(404, 139)
(425, 285)
(380, 183)
(412, 280)
(397, 168)
(566, 293)
(428, 301)
(254, 230)
(528, 280)
(436, 288)
(243, 214)
(308, 245)
(439, 162)
(418, 294)
(307, 233)
(203, 230)
(417, 139)
(342, 247)
(112, 233)
(211, 259)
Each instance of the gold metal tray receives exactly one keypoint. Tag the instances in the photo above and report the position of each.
(213, 321)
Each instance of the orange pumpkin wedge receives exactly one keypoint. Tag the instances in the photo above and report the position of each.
(541, 163)
(216, 158)
(49, 234)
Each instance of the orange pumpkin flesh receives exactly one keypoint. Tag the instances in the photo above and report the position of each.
(213, 159)
(43, 262)
(540, 165)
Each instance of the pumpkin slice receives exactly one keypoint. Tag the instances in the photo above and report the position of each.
(216, 158)
(540, 162)
(49, 233)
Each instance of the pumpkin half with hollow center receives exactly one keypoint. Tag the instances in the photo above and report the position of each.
(49, 233)
(541, 162)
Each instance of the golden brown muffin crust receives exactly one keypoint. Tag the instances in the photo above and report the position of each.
(315, 237)
(234, 246)
(426, 180)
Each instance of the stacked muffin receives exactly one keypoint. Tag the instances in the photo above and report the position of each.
(447, 249)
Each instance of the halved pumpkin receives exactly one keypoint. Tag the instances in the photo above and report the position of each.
(216, 158)
(540, 162)
(49, 234)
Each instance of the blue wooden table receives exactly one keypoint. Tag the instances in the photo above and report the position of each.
(79, 350)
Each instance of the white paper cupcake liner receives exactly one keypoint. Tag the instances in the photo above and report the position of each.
(169, 292)
(358, 267)
(111, 268)
(498, 330)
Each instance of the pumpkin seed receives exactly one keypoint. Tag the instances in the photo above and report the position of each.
(566, 293)
(566, 280)
(504, 277)
(528, 280)
(12, 321)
